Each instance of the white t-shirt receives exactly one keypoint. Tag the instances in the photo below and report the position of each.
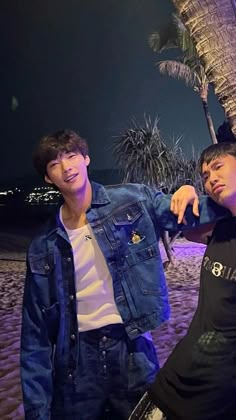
(93, 283)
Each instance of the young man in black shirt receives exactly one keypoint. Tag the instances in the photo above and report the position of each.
(198, 380)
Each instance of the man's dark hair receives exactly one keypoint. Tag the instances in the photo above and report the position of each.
(215, 150)
(53, 145)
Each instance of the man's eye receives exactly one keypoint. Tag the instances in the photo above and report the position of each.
(53, 164)
(72, 155)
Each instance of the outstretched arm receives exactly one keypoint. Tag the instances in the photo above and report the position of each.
(184, 210)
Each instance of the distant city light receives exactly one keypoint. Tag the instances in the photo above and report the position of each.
(39, 195)
(6, 192)
(43, 195)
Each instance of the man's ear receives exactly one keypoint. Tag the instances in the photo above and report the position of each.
(87, 160)
(47, 179)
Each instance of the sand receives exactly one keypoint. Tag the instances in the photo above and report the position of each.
(183, 283)
(11, 289)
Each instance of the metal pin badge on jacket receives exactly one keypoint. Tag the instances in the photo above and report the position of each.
(136, 238)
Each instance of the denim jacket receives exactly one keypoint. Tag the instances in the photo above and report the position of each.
(49, 340)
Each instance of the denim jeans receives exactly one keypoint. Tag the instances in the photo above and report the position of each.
(113, 374)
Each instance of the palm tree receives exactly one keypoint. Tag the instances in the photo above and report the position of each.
(143, 157)
(188, 67)
(212, 25)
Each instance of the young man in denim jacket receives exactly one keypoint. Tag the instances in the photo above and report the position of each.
(94, 289)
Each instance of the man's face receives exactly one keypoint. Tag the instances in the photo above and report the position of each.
(68, 172)
(219, 177)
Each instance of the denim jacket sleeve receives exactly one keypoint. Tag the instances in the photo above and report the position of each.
(210, 212)
(36, 355)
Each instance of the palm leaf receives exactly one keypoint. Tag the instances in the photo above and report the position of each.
(178, 70)
(176, 35)
(160, 43)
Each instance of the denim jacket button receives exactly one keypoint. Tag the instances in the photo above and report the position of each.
(70, 376)
(72, 297)
(104, 339)
(72, 336)
(46, 267)
(68, 259)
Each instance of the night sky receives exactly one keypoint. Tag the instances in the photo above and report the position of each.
(86, 65)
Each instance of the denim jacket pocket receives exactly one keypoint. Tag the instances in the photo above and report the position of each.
(41, 264)
(127, 215)
(144, 271)
(142, 254)
(42, 268)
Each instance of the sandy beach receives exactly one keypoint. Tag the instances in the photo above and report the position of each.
(183, 283)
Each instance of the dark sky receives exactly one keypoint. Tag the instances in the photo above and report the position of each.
(86, 65)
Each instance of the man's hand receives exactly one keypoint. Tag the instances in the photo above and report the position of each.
(184, 196)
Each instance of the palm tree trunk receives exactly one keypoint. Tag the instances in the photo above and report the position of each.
(168, 248)
(212, 26)
(209, 121)
(203, 92)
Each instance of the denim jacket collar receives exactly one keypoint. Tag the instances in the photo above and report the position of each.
(99, 195)
(99, 198)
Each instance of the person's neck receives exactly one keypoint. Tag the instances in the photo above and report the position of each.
(75, 207)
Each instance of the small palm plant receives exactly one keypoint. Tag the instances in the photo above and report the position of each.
(188, 67)
(143, 157)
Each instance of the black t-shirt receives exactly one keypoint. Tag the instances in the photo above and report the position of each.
(198, 380)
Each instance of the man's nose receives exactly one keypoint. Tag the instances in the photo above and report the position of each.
(213, 178)
(65, 164)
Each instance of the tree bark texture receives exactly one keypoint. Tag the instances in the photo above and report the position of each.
(212, 26)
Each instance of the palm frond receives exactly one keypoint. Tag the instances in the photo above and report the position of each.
(185, 41)
(165, 39)
(178, 70)
(178, 36)
(154, 41)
